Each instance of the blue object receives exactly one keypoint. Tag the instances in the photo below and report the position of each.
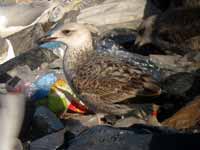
(51, 45)
(43, 85)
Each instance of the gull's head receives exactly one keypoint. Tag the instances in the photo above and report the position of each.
(74, 35)
(145, 31)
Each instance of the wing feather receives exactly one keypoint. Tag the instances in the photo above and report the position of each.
(112, 80)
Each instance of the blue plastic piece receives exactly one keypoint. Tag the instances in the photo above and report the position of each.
(43, 85)
(51, 45)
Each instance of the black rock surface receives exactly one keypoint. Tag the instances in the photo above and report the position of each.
(139, 137)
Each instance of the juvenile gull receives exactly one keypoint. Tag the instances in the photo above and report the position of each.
(100, 79)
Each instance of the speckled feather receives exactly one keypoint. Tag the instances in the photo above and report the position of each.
(110, 78)
(104, 80)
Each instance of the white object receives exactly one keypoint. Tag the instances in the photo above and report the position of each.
(11, 117)
(10, 53)
(3, 21)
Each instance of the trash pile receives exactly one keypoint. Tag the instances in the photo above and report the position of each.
(99, 74)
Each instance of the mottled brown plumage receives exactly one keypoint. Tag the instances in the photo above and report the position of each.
(107, 80)
(177, 30)
(101, 79)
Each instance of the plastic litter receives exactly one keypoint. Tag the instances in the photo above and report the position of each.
(56, 47)
(61, 98)
(41, 87)
(17, 85)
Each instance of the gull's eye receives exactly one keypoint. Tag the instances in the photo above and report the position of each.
(66, 32)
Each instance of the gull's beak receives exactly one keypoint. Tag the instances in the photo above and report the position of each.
(50, 41)
(51, 35)
(46, 39)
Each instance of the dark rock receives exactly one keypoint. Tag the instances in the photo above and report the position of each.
(49, 142)
(195, 90)
(178, 84)
(105, 137)
(138, 137)
(181, 87)
(178, 90)
(27, 122)
(4, 77)
(45, 122)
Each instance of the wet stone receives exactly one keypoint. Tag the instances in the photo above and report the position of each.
(138, 137)
(178, 84)
(48, 142)
(45, 121)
